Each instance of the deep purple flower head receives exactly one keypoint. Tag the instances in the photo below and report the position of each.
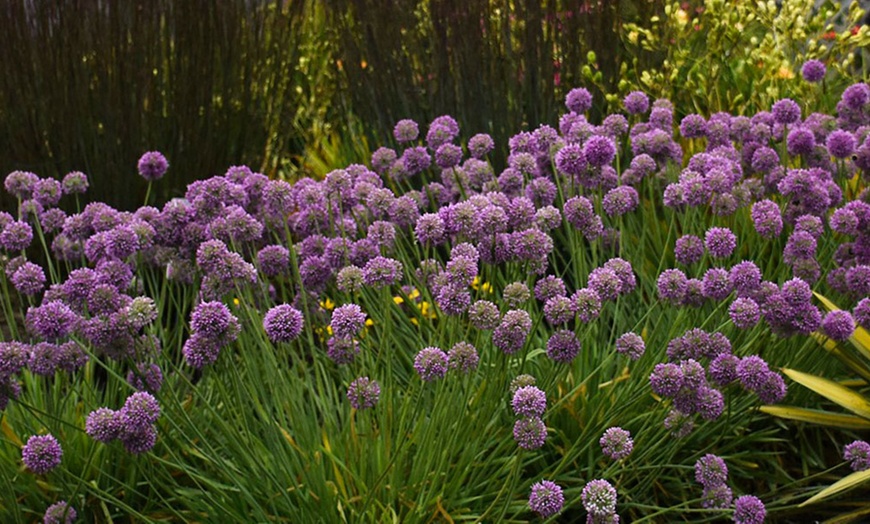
(716, 284)
(857, 454)
(363, 393)
(347, 320)
(800, 141)
(773, 389)
(463, 357)
(723, 369)
(693, 126)
(752, 372)
(748, 509)
(431, 364)
(605, 282)
(529, 401)
(152, 166)
(511, 333)
(559, 310)
(616, 443)
(841, 143)
(530, 433)
(415, 160)
(406, 130)
(578, 100)
(563, 346)
(631, 345)
(813, 70)
(546, 498)
(59, 513)
(213, 320)
(636, 103)
(745, 277)
(51, 320)
(838, 325)
(856, 96)
(620, 200)
(480, 145)
(720, 242)
(140, 439)
(710, 470)
(767, 218)
(666, 379)
(599, 151)
(672, 285)
(764, 159)
(599, 498)
(571, 160)
(140, 409)
(844, 221)
(858, 279)
(16, 236)
(786, 111)
(274, 260)
(41, 454)
(200, 350)
(28, 279)
(861, 313)
(283, 323)
(744, 312)
(448, 155)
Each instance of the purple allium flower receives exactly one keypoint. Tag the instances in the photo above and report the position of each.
(530, 433)
(284, 323)
(752, 372)
(688, 249)
(51, 320)
(857, 454)
(546, 498)
(662, 118)
(406, 130)
(342, 350)
(28, 279)
(43, 359)
(616, 443)
(347, 320)
(41, 454)
(813, 70)
(748, 509)
(720, 242)
(431, 364)
(709, 403)
(563, 346)
(679, 423)
(672, 285)
(516, 294)
(620, 200)
(274, 260)
(559, 310)
(578, 100)
(140, 409)
(484, 315)
(140, 439)
(858, 279)
(382, 159)
(716, 284)
(16, 236)
(548, 218)
(47, 192)
(764, 160)
(521, 381)
(104, 425)
(599, 151)
(511, 333)
(74, 182)
(59, 513)
(212, 320)
(841, 144)
(693, 126)
(767, 218)
(415, 160)
(786, 111)
(717, 496)
(710, 470)
(744, 312)
(448, 156)
(614, 125)
(773, 389)
(844, 221)
(800, 141)
(666, 379)
(723, 369)
(480, 145)
(856, 96)
(605, 282)
(453, 299)
(838, 325)
(549, 287)
(745, 278)
(152, 166)
(636, 103)
(20, 184)
(146, 377)
(463, 357)
(861, 313)
(430, 229)
(571, 160)
(631, 345)
(599, 498)
(529, 401)
(380, 272)
(350, 279)
(363, 393)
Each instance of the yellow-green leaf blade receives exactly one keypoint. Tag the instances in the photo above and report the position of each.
(845, 483)
(832, 391)
(815, 416)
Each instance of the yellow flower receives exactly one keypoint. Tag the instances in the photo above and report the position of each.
(398, 300)
(327, 304)
(785, 73)
(486, 287)
(236, 302)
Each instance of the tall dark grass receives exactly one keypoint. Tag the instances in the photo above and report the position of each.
(91, 85)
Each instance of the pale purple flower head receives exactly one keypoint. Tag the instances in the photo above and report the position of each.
(152, 166)
(616, 443)
(511, 333)
(620, 200)
(463, 357)
(16, 236)
(347, 320)
(274, 260)
(720, 242)
(283, 323)
(631, 345)
(710, 470)
(841, 143)
(599, 498)
(382, 159)
(672, 285)
(570, 160)
(480, 145)
(857, 454)
(47, 192)
(484, 315)
(448, 156)
(406, 130)
(666, 379)
(350, 279)
(599, 151)
(563, 346)
(786, 111)
(381, 272)
(20, 183)
(74, 182)
(530, 433)
(363, 393)
(578, 100)
(717, 496)
(605, 282)
(688, 249)
(693, 126)
(431, 364)
(767, 218)
(546, 498)
(636, 103)
(41, 454)
(838, 325)
(529, 401)
(744, 312)
(549, 287)
(748, 509)
(342, 350)
(813, 70)
(559, 310)
(59, 513)
(415, 160)
(745, 277)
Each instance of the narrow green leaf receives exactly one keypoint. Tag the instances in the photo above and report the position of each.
(815, 416)
(845, 483)
(854, 402)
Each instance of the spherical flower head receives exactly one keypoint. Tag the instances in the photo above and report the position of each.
(752, 371)
(620, 200)
(672, 285)
(59, 513)
(521, 381)
(484, 315)
(838, 325)
(152, 166)
(47, 192)
(463, 357)
(858, 279)
(800, 141)
(16, 236)
(813, 70)
(511, 333)
(841, 144)
(861, 313)
(140, 439)
(688, 249)
(380, 272)
(51, 320)
(29, 279)
(693, 126)
(786, 111)
(605, 282)
(745, 277)
(631, 345)
(563, 346)
(570, 160)
(546, 498)
(74, 183)
(350, 279)
(716, 285)
(599, 498)
(382, 159)
(140, 409)
(720, 242)
(212, 320)
(710, 470)
(480, 145)
(347, 320)
(414, 160)
(772, 390)
(274, 260)
(599, 151)
(41, 454)
(744, 312)
(636, 103)
(363, 393)
(20, 184)
(406, 130)
(587, 304)
(723, 369)
(578, 100)
(549, 287)
(529, 401)
(856, 96)
(844, 221)
(666, 379)
(431, 364)
(103, 425)
(625, 272)
(718, 496)
(749, 509)
(616, 443)
(709, 403)
(283, 323)
(764, 159)
(448, 155)
(530, 433)
(857, 454)
(767, 218)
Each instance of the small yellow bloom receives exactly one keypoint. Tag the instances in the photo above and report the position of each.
(370, 322)
(785, 73)
(327, 304)
(413, 294)
(398, 300)
(236, 302)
